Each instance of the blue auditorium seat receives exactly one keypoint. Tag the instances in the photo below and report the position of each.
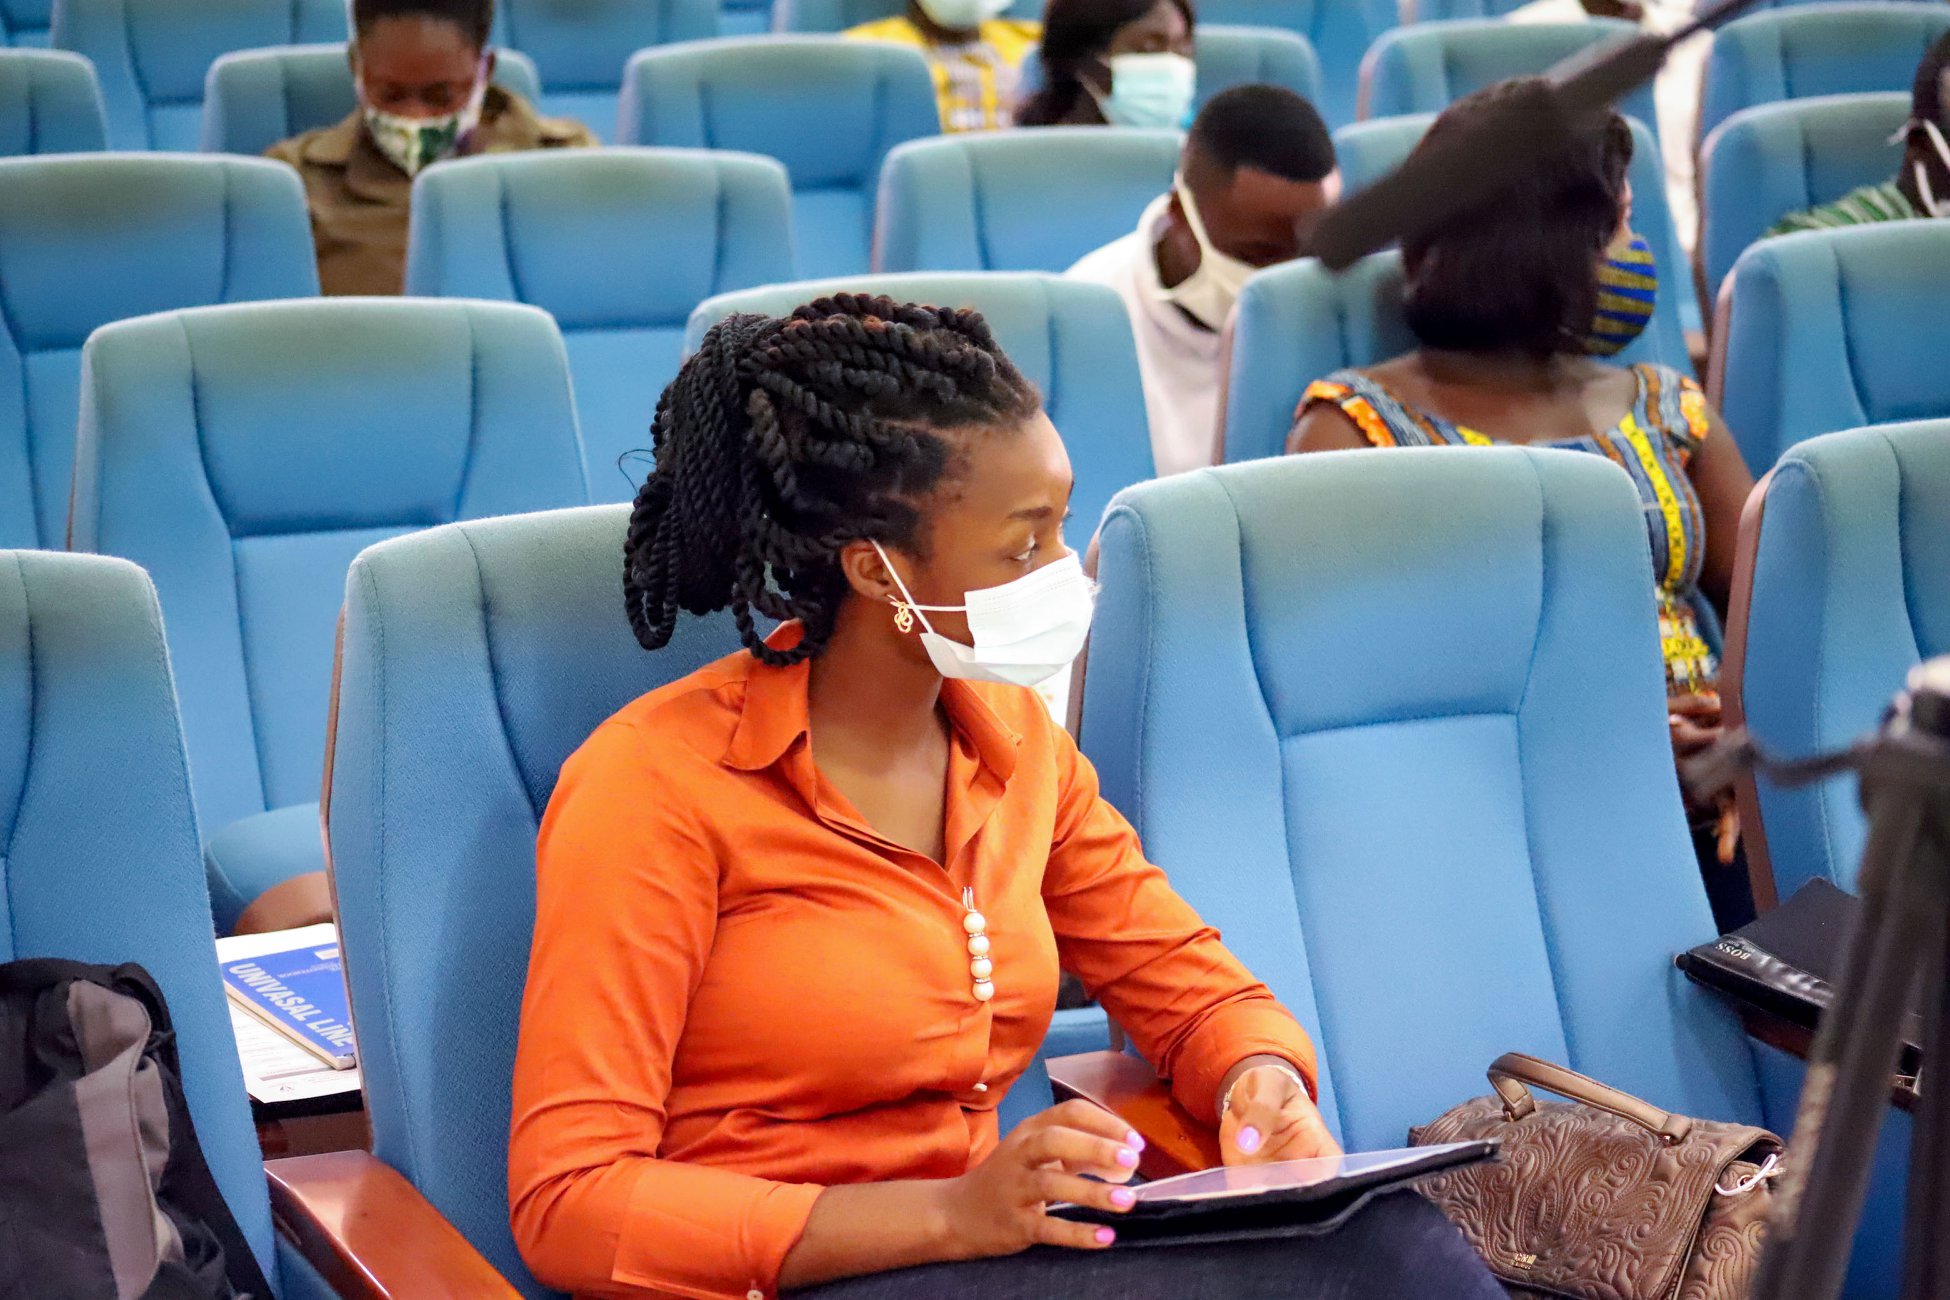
(91, 239)
(152, 55)
(580, 47)
(757, 94)
(839, 15)
(102, 862)
(1071, 339)
(1833, 329)
(1424, 67)
(618, 245)
(244, 455)
(744, 17)
(1017, 200)
(255, 98)
(1339, 31)
(1368, 150)
(509, 634)
(1767, 162)
(1816, 49)
(1849, 549)
(1424, 11)
(49, 103)
(24, 23)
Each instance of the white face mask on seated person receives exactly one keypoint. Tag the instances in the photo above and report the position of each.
(962, 15)
(1025, 632)
(1208, 292)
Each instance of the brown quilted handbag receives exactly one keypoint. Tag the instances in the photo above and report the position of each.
(1604, 1197)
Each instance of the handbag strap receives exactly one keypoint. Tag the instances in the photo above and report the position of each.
(1513, 1070)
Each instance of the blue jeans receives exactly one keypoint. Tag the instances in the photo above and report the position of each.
(1398, 1247)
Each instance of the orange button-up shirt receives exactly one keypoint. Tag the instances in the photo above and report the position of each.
(740, 994)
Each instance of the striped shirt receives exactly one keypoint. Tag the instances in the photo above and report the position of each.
(1884, 202)
(975, 82)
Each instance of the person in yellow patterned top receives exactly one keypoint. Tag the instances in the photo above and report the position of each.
(1515, 306)
(974, 53)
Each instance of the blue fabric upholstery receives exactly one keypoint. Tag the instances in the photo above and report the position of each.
(88, 240)
(1071, 339)
(1425, 67)
(1767, 162)
(152, 55)
(100, 845)
(1349, 702)
(1340, 31)
(1835, 329)
(1816, 49)
(255, 98)
(581, 46)
(619, 246)
(24, 23)
(1298, 322)
(1017, 200)
(244, 455)
(757, 94)
(838, 15)
(477, 658)
(1851, 590)
(49, 103)
(1446, 10)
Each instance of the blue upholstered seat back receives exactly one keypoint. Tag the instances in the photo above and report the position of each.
(1396, 725)
(580, 47)
(99, 860)
(1767, 162)
(1340, 31)
(1851, 589)
(618, 245)
(50, 102)
(1835, 329)
(244, 455)
(1425, 67)
(1071, 339)
(153, 55)
(1017, 200)
(757, 94)
(255, 98)
(89, 240)
(1816, 49)
(477, 658)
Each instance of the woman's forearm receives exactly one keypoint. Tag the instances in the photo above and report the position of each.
(870, 1228)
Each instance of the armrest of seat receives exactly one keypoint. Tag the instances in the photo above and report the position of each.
(372, 1235)
(1798, 1041)
(1175, 1142)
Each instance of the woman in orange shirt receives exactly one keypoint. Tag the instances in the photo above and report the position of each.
(800, 915)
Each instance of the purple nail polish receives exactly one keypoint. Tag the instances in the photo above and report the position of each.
(1105, 1236)
(1248, 1139)
(1134, 1140)
(1127, 1157)
(1123, 1198)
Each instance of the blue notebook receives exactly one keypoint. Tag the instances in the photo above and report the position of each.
(300, 992)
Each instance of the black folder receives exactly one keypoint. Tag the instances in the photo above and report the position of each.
(1289, 1198)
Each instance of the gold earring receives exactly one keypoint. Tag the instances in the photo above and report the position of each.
(903, 617)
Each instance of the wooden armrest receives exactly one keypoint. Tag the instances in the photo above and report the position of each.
(372, 1234)
(1798, 1041)
(1174, 1141)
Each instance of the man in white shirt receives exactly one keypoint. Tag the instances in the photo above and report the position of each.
(1255, 175)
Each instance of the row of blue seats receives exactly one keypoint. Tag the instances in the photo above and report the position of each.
(244, 454)
(153, 58)
(1530, 898)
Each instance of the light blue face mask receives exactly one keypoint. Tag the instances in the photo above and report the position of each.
(1153, 90)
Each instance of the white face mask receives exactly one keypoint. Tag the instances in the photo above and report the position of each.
(1025, 631)
(1148, 90)
(410, 143)
(1934, 206)
(1209, 292)
(963, 15)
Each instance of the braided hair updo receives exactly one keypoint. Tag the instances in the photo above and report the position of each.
(781, 441)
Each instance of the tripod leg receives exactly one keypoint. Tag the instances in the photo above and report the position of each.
(1855, 1052)
(1926, 1222)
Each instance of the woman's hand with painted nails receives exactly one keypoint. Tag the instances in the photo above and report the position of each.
(998, 1207)
(1270, 1117)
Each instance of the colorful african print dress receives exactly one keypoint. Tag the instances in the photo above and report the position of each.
(1653, 443)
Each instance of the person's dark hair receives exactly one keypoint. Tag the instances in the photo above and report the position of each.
(473, 17)
(782, 440)
(1268, 128)
(1516, 272)
(1075, 32)
(1926, 96)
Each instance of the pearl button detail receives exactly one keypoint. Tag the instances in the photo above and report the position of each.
(978, 946)
(984, 990)
(980, 968)
(974, 922)
(981, 1087)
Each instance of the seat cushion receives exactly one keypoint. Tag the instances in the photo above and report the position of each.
(249, 856)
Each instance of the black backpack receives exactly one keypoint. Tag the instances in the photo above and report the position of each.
(104, 1194)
